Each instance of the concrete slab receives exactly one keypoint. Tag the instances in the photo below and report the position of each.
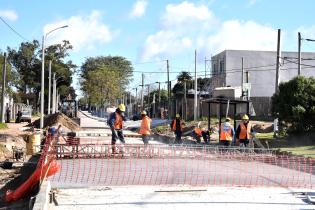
(142, 197)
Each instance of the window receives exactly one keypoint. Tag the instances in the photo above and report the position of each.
(214, 69)
(222, 66)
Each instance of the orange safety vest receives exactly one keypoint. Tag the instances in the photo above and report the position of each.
(118, 122)
(198, 131)
(174, 125)
(226, 133)
(145, 128)
(245, 132)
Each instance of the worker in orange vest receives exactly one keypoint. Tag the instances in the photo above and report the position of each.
(243, 131)
(115, 122)
(197, 134)
(177, 127)
(145, 128)
(226, 133)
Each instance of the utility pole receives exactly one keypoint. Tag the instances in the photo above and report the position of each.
(142, 84)
(247, 81)
(278, 61)
(4, 72)
(205, 67)
(49, 87)
(130, 105)
(168, 90)
(195, 99)
(159, 105)
(299, 53)
(149, 105)
(54, 97)
(136, 101)
(242, 78)
(185, 100)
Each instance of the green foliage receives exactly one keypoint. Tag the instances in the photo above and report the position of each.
(3, 126)
(104, 79)
(10, 75)
(26, 62)
(295, 104)
(183, 77)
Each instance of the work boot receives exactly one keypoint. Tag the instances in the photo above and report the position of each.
(114, 149)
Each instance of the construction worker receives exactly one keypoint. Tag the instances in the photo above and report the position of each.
(243, 131)
(115, 122)
(177, 126)
(145, 128)
(226, 133)
(197, 134)
(206, 135)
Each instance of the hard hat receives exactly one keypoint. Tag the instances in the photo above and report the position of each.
(143, 112)
(228, 119)
(177, 116)
(245, 117)
(122, 107)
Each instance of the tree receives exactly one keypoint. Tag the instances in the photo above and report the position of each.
(10, 76)
(101, 86)
(105, 78)
(295, 104)
(26, 61)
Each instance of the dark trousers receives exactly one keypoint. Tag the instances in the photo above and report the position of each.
(244, 141)
(178, 138)
(198, 138)
(145, 139)
(205, 137)
(225, 143)
(117, 134)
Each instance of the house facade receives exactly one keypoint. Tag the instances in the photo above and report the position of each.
(260, 69)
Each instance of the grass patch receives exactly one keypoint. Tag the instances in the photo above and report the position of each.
(264, 136)
(160, 129)
(306, 151)
(2, 148)
(3, 126)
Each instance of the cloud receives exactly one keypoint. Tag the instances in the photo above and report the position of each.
(179, 25)
(248, 35)
(185, 12)
(251, 3)
(138, 9)
(84, 32)
(9, 14)
(306, 32)
(188, 26)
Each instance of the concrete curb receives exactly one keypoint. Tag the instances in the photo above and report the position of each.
(93, 117)
(42, 198)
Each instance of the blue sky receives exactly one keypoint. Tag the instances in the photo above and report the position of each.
(148, 32)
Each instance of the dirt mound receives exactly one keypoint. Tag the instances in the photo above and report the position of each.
(263, 128)
(56, 119)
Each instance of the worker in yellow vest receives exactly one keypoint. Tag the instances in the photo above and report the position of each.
(243, 131)
(226, 133)
(145, 128)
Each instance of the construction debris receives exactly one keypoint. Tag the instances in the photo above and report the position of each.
(55, 120)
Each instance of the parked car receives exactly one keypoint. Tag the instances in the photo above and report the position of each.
(26, 115)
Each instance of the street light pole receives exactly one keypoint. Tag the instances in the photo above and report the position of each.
(49, 87)
(43, 76)
(54, 94)
(42, 85)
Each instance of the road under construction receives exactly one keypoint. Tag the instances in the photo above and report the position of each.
(174, 176)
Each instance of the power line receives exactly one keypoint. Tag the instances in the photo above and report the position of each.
(300, 64)
(17, 33)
